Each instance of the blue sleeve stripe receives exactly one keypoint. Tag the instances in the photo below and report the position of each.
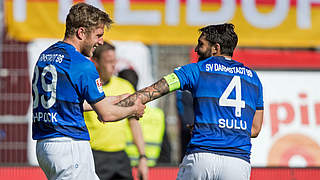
(259, 108)
(97, 100)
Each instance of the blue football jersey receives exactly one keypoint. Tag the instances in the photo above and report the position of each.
(63, 78)
(226, 95)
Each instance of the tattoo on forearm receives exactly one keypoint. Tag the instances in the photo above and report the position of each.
(147, 94)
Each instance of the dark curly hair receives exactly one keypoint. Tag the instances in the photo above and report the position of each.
(223, 34)
(87, 16)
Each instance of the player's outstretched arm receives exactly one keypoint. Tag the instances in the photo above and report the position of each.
(257, 123)
(108, 112)
(147, 94)
(110, 99)
(165, 85)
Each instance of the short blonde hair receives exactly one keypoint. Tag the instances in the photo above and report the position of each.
(87, 16)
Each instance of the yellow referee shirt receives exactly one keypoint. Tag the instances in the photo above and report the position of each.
(109, 137)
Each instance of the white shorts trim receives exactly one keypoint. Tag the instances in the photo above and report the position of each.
(66, 158)
(201, 166)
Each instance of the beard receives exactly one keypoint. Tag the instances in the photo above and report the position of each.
(204, 55)
(87, 48)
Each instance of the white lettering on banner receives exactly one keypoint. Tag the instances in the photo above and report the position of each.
(63, 8)
(172, 12)
(303, 13)
(196, 17)
(263, 20)
(19, 10)
(285, 113)
(232, 124)
(124, 16)
(45, 117)
(96, 3)
(291, 120)
(65, 5)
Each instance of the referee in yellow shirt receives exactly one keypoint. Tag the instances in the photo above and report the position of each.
(108, 141)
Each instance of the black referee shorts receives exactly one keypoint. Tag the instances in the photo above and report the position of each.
(112, 165)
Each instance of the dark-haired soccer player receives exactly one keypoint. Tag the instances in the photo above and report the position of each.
(228, 107)
(63, 79)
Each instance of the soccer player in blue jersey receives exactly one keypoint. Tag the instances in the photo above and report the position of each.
(63, 80)
(228, 107)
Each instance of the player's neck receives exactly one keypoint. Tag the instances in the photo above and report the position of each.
(73, 42)
(227, 57)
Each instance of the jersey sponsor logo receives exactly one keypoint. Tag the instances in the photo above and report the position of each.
(232, 124)
(99, 85)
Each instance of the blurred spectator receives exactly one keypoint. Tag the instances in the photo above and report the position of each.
(165, 153)
(108, 141)
(152, 124)
(131, 76)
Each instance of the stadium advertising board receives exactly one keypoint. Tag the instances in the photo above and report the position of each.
(160, 173)
(288, 23)
(290, 133)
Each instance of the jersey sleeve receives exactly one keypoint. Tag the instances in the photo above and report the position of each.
(188, 76)
(259, 102)
(92, 87)
(87, 81)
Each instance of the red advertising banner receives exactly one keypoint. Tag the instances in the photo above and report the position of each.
(168, 173)
(273, 59)
(278, 59)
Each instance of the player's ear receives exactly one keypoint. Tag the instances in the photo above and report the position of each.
(216, 49)
(81, 33)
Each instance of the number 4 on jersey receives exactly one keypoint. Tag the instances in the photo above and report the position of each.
(237, 103)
